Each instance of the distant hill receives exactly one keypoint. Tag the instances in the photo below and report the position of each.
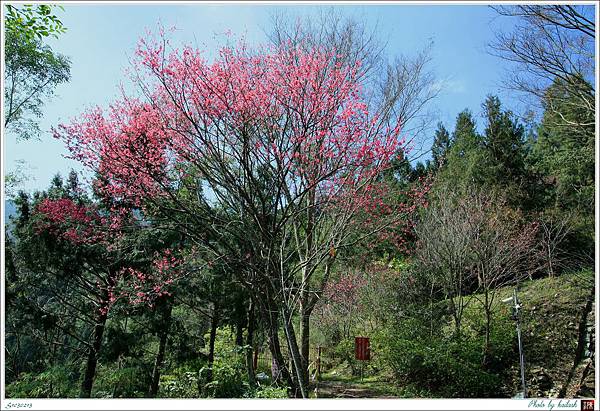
(9, 210)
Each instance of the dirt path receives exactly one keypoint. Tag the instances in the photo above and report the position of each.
(345, 389)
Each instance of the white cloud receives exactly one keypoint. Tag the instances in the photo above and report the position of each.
(449, 86)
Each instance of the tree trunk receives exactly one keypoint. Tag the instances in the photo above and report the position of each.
(294, 353)
(249, 347)
(550, 266)
(488, 325)
(457, 317)
(211, 343)
(305, 340)
(271, 316)
(239, 332)
(305, 303)
(92, 360)
(164, 334)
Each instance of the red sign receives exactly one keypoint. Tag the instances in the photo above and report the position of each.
(361, 348)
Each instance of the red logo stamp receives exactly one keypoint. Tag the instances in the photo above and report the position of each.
(587, 405)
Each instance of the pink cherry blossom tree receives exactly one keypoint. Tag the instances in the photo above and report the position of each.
(80, 228)
(265, 158)
(107, 274)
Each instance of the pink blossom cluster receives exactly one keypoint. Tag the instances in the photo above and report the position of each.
(78, 224)
(283, 107)
(127, 148)
(145, 287)
(346, 290)
(136, 286)
(381, 206)
(347, 298)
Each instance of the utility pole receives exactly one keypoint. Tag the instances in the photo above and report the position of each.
(517, 317)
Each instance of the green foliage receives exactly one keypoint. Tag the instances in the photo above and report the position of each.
(267, 392)
(399, 263)
(183, 386)
(564, 153)
(228, 381)
(228, 370)
(413, 391)
(466, 157)
(179, 385)
(503, 141)
(33, 22)
(445, 366)
(55, 382)
(182, 381)
(494, 160)
(120, 382)
(14, 179)
(344, 352)
(440, 147)
(33, 70)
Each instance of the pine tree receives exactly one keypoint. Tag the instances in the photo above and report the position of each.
(441, 145)
(466, 159)
(503, 139)
(563, 153)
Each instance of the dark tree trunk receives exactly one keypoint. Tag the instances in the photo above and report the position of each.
(164, 334)
(488, 325)
(94, 350)
(211, 343)
(456, 314)
(271, 316)
(92, 360)
(296, 357)
(239, 331)
(249, 346)
(305, 304)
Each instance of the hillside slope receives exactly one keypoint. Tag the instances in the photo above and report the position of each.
(558, 328)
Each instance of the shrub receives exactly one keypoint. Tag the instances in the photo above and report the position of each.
(448, 367)
(126, 382)
(267, 392)
(228, 370)
(344, 352)
(180, 385)
(228, 380)
(413, 391)
(55, 382)
(181, 382)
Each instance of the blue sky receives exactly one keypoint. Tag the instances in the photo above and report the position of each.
(101, 38)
